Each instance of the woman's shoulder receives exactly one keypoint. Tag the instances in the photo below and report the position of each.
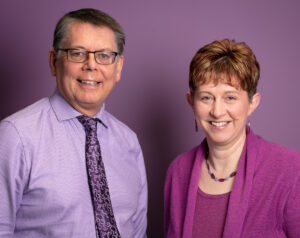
(185, 159)
(280, 152)
(279, 157)
(270, 149)
(182, 166)
(179, 173)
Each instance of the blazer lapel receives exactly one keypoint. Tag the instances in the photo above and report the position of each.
(192, 192)
(241, 191)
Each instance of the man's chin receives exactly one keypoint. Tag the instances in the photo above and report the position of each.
(88, 108)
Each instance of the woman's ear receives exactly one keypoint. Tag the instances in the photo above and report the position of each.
(189, 99)
(254, 103)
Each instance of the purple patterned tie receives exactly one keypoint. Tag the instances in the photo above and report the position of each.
(104, 217)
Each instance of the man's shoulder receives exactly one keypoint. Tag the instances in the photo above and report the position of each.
(29, 114)
(117, 125)
(120, 134)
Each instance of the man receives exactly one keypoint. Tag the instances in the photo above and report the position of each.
(55, 180)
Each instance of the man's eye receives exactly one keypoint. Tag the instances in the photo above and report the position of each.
(77, 53)
(103, 56)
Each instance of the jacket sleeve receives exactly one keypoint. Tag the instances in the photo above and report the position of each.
(174, 202)
(167, 197)
(292, 212)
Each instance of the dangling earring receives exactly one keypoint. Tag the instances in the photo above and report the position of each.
(248, 123)
(196, 126)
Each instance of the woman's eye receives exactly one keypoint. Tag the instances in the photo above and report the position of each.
(206, 98)
(230, 98)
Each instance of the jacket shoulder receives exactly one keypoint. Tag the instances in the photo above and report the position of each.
(287, 158)
(183, 164)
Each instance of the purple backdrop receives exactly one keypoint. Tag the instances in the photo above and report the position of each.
(162, 37)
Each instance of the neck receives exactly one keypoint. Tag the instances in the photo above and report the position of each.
(226, 157)
(88, 111)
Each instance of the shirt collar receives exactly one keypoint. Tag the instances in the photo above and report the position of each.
(64, 111)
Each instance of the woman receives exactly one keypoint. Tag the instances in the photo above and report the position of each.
(234, 184)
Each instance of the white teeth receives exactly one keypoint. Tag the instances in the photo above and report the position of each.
(89, 82)
(219, 123)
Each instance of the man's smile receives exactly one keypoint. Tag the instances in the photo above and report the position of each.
(88, 82)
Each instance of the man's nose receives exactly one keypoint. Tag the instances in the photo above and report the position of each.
(91, 62)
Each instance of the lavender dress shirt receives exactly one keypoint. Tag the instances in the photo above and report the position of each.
(44, 189)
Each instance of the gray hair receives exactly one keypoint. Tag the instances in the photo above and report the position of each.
(92, 16)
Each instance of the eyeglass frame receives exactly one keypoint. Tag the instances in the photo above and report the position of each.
(87, 55)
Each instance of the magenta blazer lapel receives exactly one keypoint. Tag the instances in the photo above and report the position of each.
(241, 191)
(192, 192)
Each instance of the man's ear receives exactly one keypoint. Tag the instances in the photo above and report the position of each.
(119, 67)
(189, 99)
(52, 61)
(254, 103)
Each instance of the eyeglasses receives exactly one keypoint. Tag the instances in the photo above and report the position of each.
(80, 56)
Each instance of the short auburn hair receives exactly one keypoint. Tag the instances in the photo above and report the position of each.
(225, 61)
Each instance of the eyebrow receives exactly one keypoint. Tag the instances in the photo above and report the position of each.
(226, 92)
(203, 92)
(83, 48)
(236, 92)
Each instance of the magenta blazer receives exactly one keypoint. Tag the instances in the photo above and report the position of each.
(264, 201)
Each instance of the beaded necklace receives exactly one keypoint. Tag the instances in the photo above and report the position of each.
(218, 179)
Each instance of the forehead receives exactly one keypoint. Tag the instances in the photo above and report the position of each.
(218, 88)
(91, 37)
(221, 78)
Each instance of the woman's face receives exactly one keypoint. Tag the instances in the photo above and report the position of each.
(221, 111)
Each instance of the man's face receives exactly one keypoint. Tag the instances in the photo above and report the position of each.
(86, 85)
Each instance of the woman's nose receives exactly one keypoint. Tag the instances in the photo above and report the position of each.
(218, 109)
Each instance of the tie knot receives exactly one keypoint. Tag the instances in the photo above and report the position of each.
(89, 124)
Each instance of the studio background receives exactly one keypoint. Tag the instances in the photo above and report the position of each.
(162, 37)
